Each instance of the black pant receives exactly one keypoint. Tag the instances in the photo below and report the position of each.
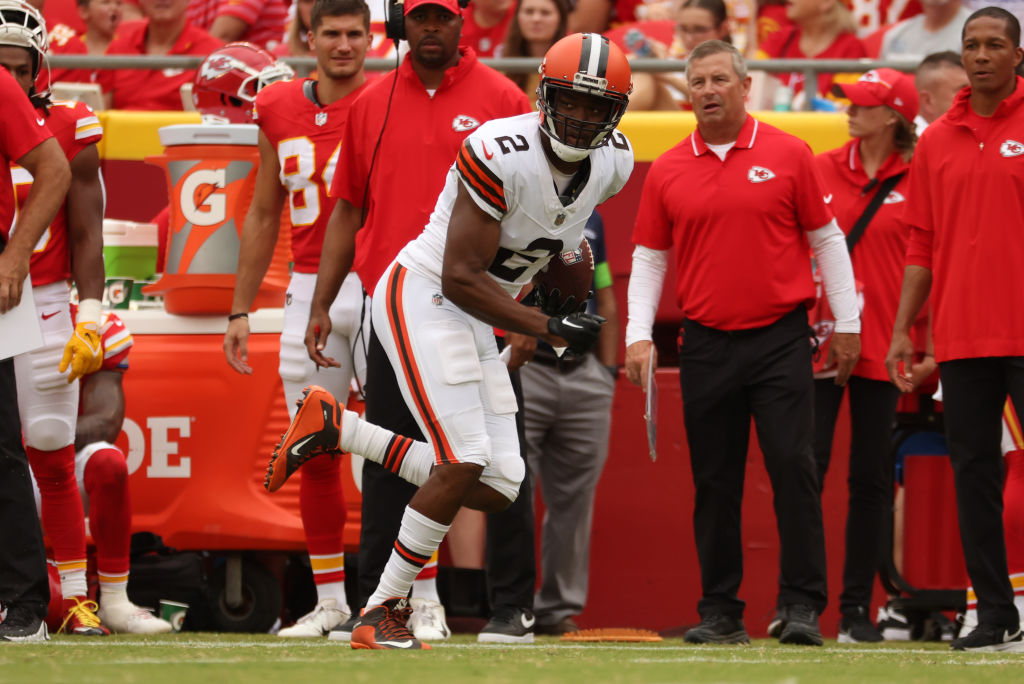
(23, 578)
(869, 513)
(510, 558)
(726, 378)
(510, 565)
(973, 394)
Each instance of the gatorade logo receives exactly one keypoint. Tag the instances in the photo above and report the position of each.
(201, 203)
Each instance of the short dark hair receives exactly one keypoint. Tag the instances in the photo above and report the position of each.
(1011, 22)
(940, 59)
(338, 8)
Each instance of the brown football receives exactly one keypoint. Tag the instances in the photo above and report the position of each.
(571, 273)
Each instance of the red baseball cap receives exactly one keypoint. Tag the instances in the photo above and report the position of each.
(888, 87)
(450, 5)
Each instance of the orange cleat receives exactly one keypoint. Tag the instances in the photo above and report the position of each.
(315, 430)
(385, 627)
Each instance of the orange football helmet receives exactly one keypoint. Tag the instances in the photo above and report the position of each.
(585, 63)
(227, 81)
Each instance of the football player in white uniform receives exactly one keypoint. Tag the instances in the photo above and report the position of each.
(520, 192)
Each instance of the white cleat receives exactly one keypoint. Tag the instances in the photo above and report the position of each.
(128, 618)
(427, 621)
(318, 623)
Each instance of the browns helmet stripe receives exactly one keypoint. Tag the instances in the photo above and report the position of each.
(594, 56)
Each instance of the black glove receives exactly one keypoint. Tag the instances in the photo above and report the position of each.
(579, 329)
(550, 302)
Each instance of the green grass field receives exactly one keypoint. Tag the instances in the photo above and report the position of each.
(192, 658)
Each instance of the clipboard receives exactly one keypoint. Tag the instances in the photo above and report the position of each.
(19, 327)
(651, 407)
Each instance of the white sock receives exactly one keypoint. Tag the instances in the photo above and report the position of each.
(417, 541)
(72, 580)
(333, 590)
(426, 589)
(409, 459)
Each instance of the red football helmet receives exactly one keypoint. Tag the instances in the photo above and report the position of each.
(584, 63)
(227, 82)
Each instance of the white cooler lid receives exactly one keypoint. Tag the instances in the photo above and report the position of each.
(209, 134)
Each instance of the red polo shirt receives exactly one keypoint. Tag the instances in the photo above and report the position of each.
(879, 254)
(738, 225)
(966, 210)
(151, 89)
(22, 128)
(420, 141)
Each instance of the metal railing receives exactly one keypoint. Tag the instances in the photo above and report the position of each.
(809, 68)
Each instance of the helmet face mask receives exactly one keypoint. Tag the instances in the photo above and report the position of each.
(21, 25)
(228, 80)
(585, 64)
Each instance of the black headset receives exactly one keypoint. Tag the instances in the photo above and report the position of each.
(394, 22)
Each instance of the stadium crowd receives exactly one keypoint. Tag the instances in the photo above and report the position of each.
(900, 302)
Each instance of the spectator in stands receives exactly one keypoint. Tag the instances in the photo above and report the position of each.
(485, 24)
(537, 25)
(260, 22)
(822, 29)
(936, 29)
(101, 18)
(296, 39)
(938, 79)
(868, 180)
(695, 22)
(164, 31)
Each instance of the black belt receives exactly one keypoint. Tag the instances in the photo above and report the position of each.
(566, 364)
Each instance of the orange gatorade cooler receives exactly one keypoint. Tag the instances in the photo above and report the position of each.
(211, 177)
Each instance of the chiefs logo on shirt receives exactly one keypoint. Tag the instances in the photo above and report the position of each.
(759, 174)
(894, 198)
(1011, 148)
(463, 123)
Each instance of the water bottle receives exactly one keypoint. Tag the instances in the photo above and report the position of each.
(637, 43)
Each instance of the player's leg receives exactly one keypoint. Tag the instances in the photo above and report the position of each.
(102, 474)
(321, 498)
(448, 368)
(48, 405)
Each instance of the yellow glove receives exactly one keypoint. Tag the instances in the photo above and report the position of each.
(84, 351)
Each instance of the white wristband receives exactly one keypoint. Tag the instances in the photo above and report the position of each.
(89, 311)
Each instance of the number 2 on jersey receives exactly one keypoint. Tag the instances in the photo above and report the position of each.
(297, 157)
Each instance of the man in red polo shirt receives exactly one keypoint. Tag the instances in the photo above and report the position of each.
(164, 31)
(965, 212)
(24, 138)
(398, 148)
(742, 202)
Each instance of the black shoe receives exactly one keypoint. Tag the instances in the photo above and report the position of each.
(987, 638)
(801, 626)
(718, 629)
(508, 626)
(343, 632)
(564, 626)
(778, 623)
(22, 624)
(856, 628)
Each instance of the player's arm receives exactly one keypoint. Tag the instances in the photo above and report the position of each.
(102, 408)
(917, 283)
(608, 342)
(255, 252)
(51, 177)
(336, 257)
(473, 239)
(83, 353)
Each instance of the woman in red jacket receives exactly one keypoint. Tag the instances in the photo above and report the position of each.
(874, 162)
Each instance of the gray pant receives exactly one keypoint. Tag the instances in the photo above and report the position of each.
(568, 419)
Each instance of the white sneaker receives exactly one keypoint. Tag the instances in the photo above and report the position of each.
(127, 618)
(427, 620)
(893, 624)
(318, 623)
